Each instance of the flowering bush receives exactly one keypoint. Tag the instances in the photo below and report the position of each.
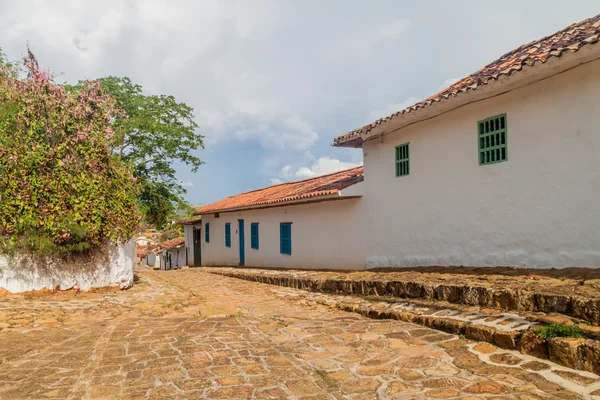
(60, 188)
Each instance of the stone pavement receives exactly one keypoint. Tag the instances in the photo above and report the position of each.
(188, 334)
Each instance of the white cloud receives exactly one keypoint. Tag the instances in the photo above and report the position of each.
(186, 183)
(390, 109)
(367, 42)
(273, 129)
(393, 30)
(255, 75)
(323, 166)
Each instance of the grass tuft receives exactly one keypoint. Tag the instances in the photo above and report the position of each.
(559, 330)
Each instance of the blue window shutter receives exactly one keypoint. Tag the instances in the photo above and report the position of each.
(281, 238)
(207, 232)
(228, 234)
(285, 238)
(254, 235)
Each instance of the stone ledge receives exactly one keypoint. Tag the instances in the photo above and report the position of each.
(522, 300)
(582, 354)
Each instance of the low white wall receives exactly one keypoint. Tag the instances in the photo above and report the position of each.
(22, 274)
(325, 235)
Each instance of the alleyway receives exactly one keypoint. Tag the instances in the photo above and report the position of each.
(189, 334)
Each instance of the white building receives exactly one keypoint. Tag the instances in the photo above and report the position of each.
(308, 224)
(173, 254)
(192, 229)
(500, 169)
(149, 256)
(143, 241)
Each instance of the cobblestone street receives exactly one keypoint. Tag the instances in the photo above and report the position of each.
(187, 334)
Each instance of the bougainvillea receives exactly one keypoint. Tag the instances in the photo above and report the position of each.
(60, 188)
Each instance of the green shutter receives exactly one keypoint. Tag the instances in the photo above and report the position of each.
(492, 140)
(207, 232)
(402, 160)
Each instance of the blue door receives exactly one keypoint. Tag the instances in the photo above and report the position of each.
(241, 235)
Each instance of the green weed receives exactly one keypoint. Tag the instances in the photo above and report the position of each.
(559, 330)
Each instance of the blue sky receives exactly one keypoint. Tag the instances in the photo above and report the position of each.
(273, 82)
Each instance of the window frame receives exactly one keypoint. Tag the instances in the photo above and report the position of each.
(481, 135)
(227, 234)
(282, 239)
(207, 232)
(254, 236)
(401, 160)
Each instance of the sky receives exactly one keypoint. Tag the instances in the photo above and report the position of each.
(273, 82)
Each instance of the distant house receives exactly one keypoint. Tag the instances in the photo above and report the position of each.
(148, 255)
(501, 168)
(172, 253)
(142, 241)
(308, 224)
(192, 229)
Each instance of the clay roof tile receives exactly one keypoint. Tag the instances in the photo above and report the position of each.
(172, 243)
(315, 187)
(569, 39)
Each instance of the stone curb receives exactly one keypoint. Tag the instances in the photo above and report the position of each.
(581, 354)
(506, 299)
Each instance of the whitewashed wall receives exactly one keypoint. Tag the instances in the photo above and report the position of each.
(116, 269)
(177, 258)
(150, 260)
(326, 235)
(541, 208)
(188, 231)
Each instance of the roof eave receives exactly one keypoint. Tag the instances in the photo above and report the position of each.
(501, 85)
(312, 199)
(190, 221)
(354, 143)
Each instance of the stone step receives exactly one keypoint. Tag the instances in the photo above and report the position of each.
(507, 299)
(509, 331)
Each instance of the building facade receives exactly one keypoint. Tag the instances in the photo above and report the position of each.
(192, 229)
(311, 224)
(500, 169)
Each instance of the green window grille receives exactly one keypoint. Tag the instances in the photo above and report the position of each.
(402, 160)
(492, 138)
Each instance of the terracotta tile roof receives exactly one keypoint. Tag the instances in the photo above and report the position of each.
(315, 187)
(173, 243)
(568, 40)
(143, 251)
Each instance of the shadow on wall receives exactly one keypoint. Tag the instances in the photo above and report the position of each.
(112, 266)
